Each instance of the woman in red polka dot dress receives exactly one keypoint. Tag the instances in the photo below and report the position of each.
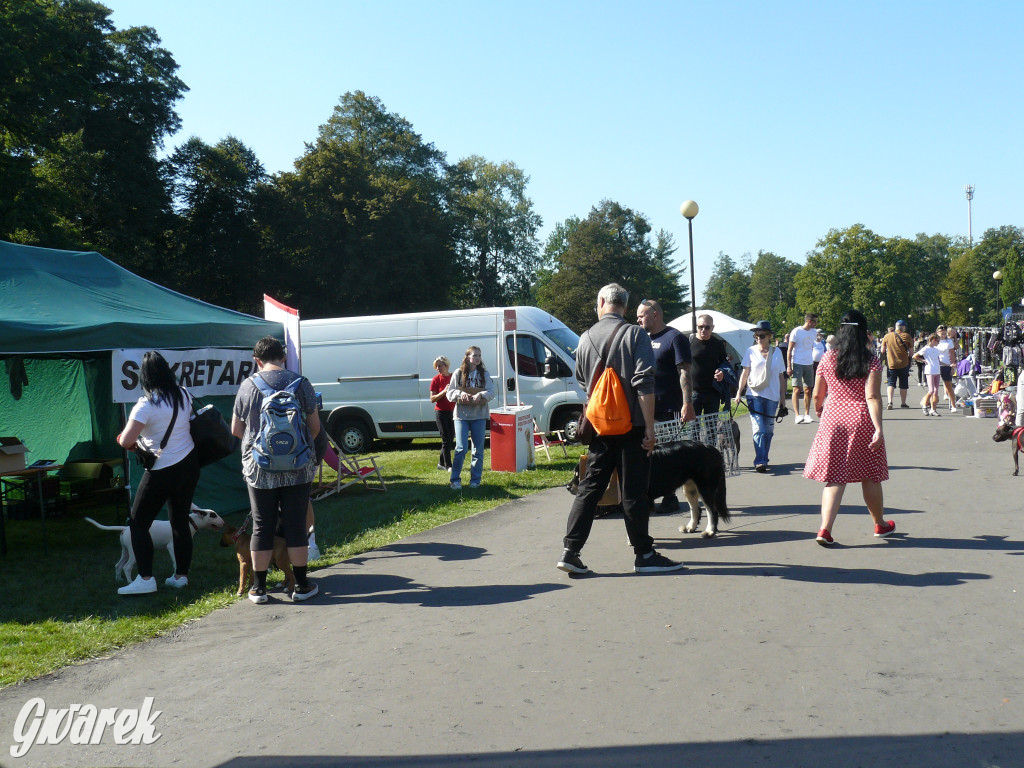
(849, 447)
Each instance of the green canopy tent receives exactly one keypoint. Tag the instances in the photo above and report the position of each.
(62, 316)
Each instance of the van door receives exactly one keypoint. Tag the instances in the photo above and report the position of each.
(528, 357)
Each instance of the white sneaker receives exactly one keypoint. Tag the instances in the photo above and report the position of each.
(925, 412)
(933, 412)
(174, 581)
(798, 419)
(140, 586)
(952, 409)
(808, 419)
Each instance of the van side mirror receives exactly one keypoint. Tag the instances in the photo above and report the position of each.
(552, 367)
(510, 384)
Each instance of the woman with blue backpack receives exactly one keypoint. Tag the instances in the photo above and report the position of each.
(276, 416)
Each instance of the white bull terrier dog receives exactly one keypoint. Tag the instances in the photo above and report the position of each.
(161, 533)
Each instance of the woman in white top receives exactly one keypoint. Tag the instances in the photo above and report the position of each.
(931, 356)
(163, 412)
(764, 370)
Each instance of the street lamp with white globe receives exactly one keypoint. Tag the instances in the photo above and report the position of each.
(997, 276)
(689, 209)
(881, 304)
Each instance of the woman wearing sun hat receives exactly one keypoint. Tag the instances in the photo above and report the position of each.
(764, 374)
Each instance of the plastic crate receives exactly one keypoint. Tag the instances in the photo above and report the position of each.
(714, 429)
(986, 408)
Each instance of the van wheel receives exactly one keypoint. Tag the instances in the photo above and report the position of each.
(352, 437)
(568, 424)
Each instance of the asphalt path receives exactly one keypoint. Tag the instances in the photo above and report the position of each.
(465, 645)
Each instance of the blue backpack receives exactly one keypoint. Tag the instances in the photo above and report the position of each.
(282, 443)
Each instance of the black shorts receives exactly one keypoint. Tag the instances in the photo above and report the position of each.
(946, 372)
(900, 376)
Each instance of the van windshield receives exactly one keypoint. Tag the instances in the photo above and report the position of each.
(564, 339)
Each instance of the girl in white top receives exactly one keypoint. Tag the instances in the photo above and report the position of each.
(931, 357)
(173, 477)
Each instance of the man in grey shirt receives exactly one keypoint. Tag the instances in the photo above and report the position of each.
(633, 360)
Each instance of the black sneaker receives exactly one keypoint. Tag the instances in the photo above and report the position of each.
(653, 562)
(258, 596)
(306, 592)
(571, 563)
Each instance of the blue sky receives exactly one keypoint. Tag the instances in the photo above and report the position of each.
(781, 119)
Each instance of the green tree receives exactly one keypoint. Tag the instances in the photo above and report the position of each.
(674, 286)
(556, 245)
(611, 245)
(364, 224)
(728, 288)
(1002, 249)
(497, 228)
(773, 291)
(216, 190)
(78, 153)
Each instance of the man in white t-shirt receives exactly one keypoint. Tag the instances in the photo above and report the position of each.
(800, 366)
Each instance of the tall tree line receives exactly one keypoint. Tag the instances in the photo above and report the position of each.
(372, 218)
(927, 280)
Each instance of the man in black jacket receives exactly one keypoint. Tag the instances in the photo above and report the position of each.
(632, 359)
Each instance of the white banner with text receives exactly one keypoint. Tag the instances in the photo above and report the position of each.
(204, 371)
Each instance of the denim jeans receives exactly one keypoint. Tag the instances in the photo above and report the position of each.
(763, 426)
(625, 453)
(464, 432)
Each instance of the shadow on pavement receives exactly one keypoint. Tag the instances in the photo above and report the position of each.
(819, 574)
(947, 750)
(442, 551)
(338, 589)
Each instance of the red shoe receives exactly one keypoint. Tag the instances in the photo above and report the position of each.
(885, 529)
(825, 538)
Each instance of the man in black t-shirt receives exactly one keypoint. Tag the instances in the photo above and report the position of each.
(708, 353)
(672, 395)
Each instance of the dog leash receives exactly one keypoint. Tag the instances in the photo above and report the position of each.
(779, 416)
(242, 528)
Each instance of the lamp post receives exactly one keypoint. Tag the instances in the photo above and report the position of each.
(969, 190)
(884, 327)
(689, 209)
(997, 276)
(970, 315)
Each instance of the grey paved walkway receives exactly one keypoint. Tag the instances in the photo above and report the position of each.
(464, 644)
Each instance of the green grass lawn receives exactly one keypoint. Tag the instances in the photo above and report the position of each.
(63, 607)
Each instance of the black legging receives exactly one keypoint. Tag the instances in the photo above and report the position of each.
(446, 427)
(269, 505)
(920, 371)
(174, 485)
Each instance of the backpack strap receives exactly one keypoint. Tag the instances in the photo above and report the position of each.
(262, 385)
(617, 334)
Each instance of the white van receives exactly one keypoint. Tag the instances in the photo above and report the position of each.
(374, 372)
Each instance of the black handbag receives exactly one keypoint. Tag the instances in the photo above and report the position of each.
(211, 435)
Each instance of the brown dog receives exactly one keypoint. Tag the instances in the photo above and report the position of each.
(280, 560)
(1007, 431)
